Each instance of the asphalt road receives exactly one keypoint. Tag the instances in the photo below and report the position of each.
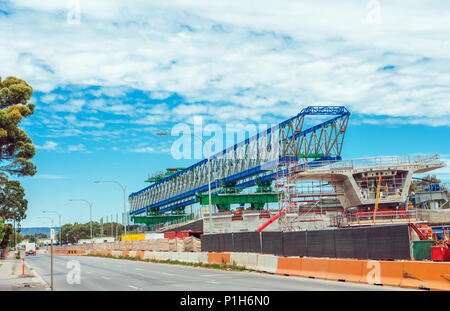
(106, 274)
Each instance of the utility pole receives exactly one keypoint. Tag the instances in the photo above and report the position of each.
(52, 236)
(59, 215)
(14, 234)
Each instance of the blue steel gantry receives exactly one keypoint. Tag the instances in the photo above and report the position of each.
(256, 159)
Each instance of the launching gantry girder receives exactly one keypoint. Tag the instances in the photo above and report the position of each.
(255, 158)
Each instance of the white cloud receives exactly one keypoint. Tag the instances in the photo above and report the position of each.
(48, 145)
(243, 58)
(144, 150)
(73, 106)
(79, 147)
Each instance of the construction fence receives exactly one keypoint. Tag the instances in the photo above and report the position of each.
(390, 242)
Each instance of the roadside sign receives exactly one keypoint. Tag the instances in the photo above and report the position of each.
(52, 233)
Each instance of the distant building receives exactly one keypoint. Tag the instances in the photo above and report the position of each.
(44, 242)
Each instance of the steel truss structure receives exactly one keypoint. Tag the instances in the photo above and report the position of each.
(256, 158)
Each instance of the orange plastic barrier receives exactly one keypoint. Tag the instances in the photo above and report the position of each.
(314, 267)
(432, 275)
(289, 265)
(345, 270)
(382, 272)
(125, 253)
(140, 254)
(219, 258)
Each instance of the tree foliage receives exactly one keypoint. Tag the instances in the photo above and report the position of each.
(16, 148)
(71, 233)
(6, 233)
(13, 204)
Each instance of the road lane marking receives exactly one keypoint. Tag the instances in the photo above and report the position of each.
(105, 277)
(212, 282)
(134, 287)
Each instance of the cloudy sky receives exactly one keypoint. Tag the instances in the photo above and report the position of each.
(109, 74)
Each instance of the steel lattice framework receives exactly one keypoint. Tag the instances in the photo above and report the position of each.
(254, 158)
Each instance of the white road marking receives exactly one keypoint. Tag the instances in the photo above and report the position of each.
(209, 275)
(162, 272)
(134, 287)
(106, 278)
(212, 282)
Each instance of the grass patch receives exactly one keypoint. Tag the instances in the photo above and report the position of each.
(231, 267)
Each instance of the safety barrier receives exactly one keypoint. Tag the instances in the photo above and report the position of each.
(289, 266)
(116, 253)
(409, 274)
(140, 254)
(314, 268)
(382, 272)
(345, 270)
(432, 275)
(247, 260)
(219, 258)
(198, 257)
(267, 263)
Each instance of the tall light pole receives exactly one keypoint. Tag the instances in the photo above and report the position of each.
(124, 201)
(51, 253)
(208, 149)
(59, 215)
(51, 219)
(90, 213)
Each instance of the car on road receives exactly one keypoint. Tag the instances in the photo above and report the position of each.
(30, 249)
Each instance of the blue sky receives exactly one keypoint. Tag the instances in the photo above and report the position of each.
(107, 82)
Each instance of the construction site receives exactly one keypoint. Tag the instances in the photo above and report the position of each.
(289, 178)
(287, 193)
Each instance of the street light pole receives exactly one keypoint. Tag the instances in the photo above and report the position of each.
(59, 215)
(209, 170)
(51, 252)
(124, 201)
(90, 213)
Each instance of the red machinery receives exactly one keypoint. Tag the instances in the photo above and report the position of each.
(272, 219)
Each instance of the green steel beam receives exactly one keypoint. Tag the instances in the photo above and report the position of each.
(311, 155)
(224, 201)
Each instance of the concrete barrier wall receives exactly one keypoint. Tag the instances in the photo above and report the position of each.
(247, 260)
(267, 263)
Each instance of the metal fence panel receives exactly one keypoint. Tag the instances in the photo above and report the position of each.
(294, 243)
(321, 243)
(272, 243)
(247, 242)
